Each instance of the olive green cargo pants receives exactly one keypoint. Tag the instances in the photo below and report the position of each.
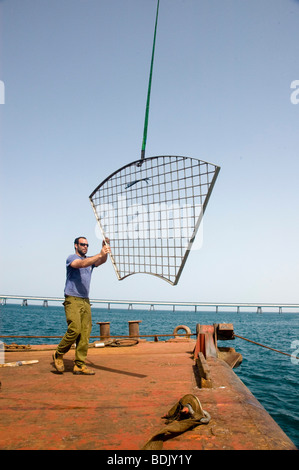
(78, 317)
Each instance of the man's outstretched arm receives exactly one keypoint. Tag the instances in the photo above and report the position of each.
(95, 260)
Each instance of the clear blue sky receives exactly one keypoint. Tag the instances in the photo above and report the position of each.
(76, 74)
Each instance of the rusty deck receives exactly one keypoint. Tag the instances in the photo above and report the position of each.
(121, 406)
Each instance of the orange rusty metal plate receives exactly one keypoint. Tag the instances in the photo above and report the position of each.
(121, 406)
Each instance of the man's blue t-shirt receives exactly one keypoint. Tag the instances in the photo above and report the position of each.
(77, 279)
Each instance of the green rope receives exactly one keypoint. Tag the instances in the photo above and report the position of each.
(149, 90)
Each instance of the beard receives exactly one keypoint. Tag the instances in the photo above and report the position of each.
(81, 253)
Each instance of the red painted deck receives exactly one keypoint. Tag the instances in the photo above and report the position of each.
(121, 406)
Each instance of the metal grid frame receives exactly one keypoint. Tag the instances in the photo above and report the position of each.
(151, 210)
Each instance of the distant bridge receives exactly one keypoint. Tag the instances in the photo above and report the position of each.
(152, 304)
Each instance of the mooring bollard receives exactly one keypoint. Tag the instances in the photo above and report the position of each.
(134, 328)
(104, 329)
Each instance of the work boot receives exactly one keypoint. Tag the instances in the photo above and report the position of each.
(82, 370)
(58, 362)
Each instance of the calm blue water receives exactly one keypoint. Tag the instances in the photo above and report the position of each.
(272, 377)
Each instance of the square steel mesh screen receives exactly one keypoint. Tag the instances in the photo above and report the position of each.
(151, 210)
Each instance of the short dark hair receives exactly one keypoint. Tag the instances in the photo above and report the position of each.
(76, 242)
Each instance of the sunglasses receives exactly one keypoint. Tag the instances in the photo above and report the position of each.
(84, 244)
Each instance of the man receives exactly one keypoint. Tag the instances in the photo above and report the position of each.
(79, 268)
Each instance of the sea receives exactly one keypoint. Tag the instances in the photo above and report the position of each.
(271, 376)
